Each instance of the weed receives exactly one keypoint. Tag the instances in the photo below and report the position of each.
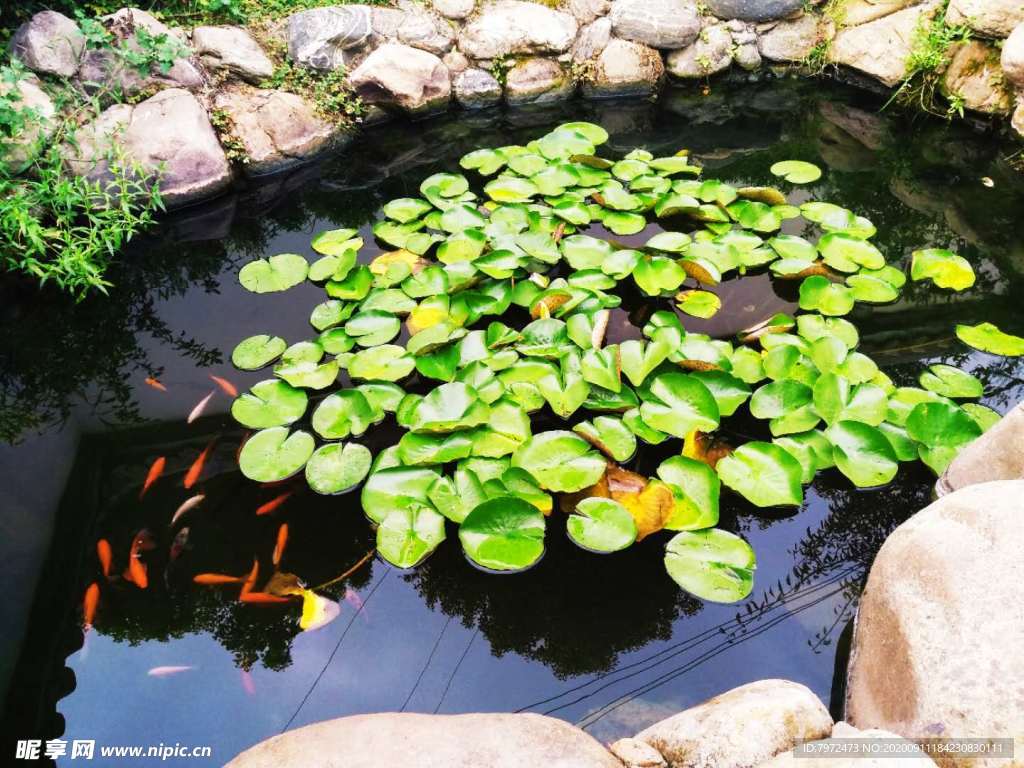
(328, 91)
(500, 65)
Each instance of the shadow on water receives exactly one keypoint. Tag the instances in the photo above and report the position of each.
(608, 642)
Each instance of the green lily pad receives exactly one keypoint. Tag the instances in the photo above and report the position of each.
(257, 352)
(819, 294)
(342, 414)
(337, 467)
(272, 454)
(610, 436)
(796, 171)
(944, 268)
(941, 430)
(448, 408)
(951, 382)
(984, 417)
(714, 565)
(387, 362)
(270, 403)
(407, 535)
(863, 453)
(505, 533)
(336, 241)
(847, 253)
(560, 461)
(278, 273)
(678, 404)
(765, 474)
(601, 525)
(697, 489)
(396, 488)
(702, 304)
(988, 338)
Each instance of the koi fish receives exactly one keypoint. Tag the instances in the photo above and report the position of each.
(262, 598)
(155, 470)
(282, 541)
(167, 671)
(180, 544)
(200, 407)
(352, 598)
(217, 579)
(248, 684)
(89, 603)
(136, 571)
(274, 503)
(250, 580)
(105, 555)
(155, 384)
(197, 466)
(188, 504)
(228, 388)
(144, 541)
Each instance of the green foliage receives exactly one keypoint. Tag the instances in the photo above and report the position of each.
(328, 91)
(929, 56)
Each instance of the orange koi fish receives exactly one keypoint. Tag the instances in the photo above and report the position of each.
(200, 407)
(282, 541)
(250, 580)
(89, 603)
(217, 579)
(167, 671)
(262, 598)
(197, 466)
(155, 384)
(137, 573)
(229, 389)
(155, 470)
(105, 555)
(274, 503)
(190, 503)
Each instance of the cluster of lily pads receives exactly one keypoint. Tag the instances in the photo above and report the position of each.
(465, 384)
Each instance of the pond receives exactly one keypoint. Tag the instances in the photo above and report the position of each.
(609, 642)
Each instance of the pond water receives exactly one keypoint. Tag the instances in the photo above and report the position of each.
(608, 642)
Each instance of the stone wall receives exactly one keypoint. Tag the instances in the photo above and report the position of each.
(418, 58)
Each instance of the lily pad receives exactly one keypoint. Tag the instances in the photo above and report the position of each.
(679, 404)
(278, 273)
(387, 362)
(713, 565)
(257, 352)
(796, 171)
(272, 455)
(396, 488)
(988, 338)
(560, 461)
(697, 489)
(505, 533)
(337, 467)
(941, 430)
(863, 453)
(951, 382)
(270, 403)
(702, 304)
(819, 294)
(765, 474)
(601, 525)
(944, 268)
(407, 535)
(336, 241)
(342, 414)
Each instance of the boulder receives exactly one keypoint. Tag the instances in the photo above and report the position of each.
(233, 50)
(744, 42)
(514, 27)
(385, 22)
(914, 756)
(974, 75)
(124, 21)
(868, 128)
(49, 43)
(1012, 59)
(710, 53)
(991, 18)
(880, 48)
(856, 12)
(624, 68)
(592, 40)
(1017, 121)
(276, 129)
(325, 38)
(431, 741)
(456, 62)
(454, 9)
(790, 40)
(929, 656)
(102, 69)
(754, 10)
(426, 31)
(476, 88)
(657, 23)
(537, 81)
(742, 727)
(637, 754)
(399, 77)
(996, 455)
(171, 131)
(585, 11)
(22, 149)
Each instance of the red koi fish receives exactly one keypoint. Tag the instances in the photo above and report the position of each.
(217, 579)
(89, 603)
(155, 470)
(105, 555)
(262, 598)
(136, 571)
(274, 503)
(197, 466)
(250, 580)
(282, 541)
(200, 407)
(228, 388)
(155, 384)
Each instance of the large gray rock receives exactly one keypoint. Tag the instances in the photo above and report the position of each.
(996, 455)
(169, 131)
(744, 41)
(592, 40)
(426, 31)
(740, 728)
(25, 147)
(790, 40)
(275, 128)
(909, 755)
(993, 18)
(431, 741)
(232, 49)
(514, 27)
(880, 48)
(586, 11)
(49, 43)
(102, 69)
(974, 75)
(537, 81)
(476, 88)
(322, 38)
(454, 9)
(125, 21)
(385, 22)
(856, 12)
(934, 648)
(637, 754)
(1012, 59)
(711, 52)
(657, 23)
(754, 10)
(1017, 121)
(398, 77)
(624, 68)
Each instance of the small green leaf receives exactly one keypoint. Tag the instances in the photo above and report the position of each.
(713, 565)
(601, 525)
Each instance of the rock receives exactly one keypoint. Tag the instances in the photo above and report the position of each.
(856, 12)
(1017, 121)
(170, 130)
(275, 128)
(124, 21)
(49, 43)
(1012, 60)
(880, 48)
(431, 741)
(321, 38)
(996, 455)
(103, 69)
(747, 56)
(585, 11)
(456, 62)
(234, 50)
(454, 9)
(744, 42)
(974, 75)
(537, 81)
(476, 88)
(396, 76)
(385, 22)
(511, 27)
(624, 68)
(930, 655)
(637, 754)
(426, 31)
(25, 147)
(915, 756)
(657, 23)
(866, 127)
(592, 40)
(754, 10)
(710, 53)
(790, 40)
(992, 18)
(742, 727)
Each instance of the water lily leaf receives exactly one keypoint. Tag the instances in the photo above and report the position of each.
(863, 453)
(769, 195)
(388, 362)
(486, 161)
(593, 133)
(396, 488)
(984, 417)
(819, 294)
(945, 268)
(392, 300)
(696, 487)
(332, 267)
(601, 525)
(788, 404)
(336, 241)
(793, 248)
(673, 242)
(747, 366)
(765, 474)
(830, 217)
(307, 373)
(674, 205)
(560, 461)
(703, 304)
(564, 143)
(846, 253)
(729, 391)
(796, 171)
(803, 453)
(371, 328)
(951, 382)
(448, 408)
(547, 337)
(714, 565)
(828, 353)
(902, 444)
(354, 287)
(329, 313)
(270, 403)
(342, 414)
(416, 449)
(447, 185)
(505, 533)
(585, 252)
(638, 359)
(337, 467)
(679, 404)
(278, 273)
(872, 290)
(601, 367)
(257, 352)
(836, 400)
(610, 436)
(658, 274)
(756, 216)
(511, 189)
(383, 397)
(670, 166)
(406, 209)
(941, 429)
(272, 454)
(988, 338)
(623, 223)
(814, 327)
(407, 535)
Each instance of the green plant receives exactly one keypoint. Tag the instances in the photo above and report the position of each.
(929, 56)
(500, 66)
(233, 146)
(328, 91)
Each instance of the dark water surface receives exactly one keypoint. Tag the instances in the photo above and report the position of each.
(608, 642)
